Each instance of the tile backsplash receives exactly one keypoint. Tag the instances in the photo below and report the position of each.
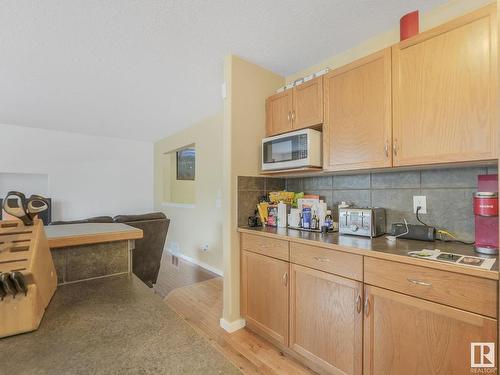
(448, 191)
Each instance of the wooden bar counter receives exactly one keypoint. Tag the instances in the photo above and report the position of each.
(91, 250)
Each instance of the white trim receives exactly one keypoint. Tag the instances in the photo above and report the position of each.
(200, 263)
(232, 326)
(178, 205)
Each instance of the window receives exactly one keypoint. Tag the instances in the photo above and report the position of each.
(186, 164)
(179, 185)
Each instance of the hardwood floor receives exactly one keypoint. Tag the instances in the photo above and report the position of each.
(176, 272)
(200, 305)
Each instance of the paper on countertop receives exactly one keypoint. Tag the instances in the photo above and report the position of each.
(487, 263)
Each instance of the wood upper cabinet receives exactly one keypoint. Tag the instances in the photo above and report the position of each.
(326, 320)
(444, 92)
(297, 108)
(279, 113)
(264, 294)
(358, 120)
(407, 335)
(308, 104)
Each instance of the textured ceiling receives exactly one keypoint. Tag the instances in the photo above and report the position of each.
(143, 69)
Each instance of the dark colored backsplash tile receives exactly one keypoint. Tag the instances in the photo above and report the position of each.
(451, 178)
(274, 184)
(406, 179)
(317, 183)
(448, 191)
(360, 198)
(247, 204)
(353, 181)
(450, 209)
(398, 204)
(249, 183)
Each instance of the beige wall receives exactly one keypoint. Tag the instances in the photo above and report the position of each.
(247, 87)
(193, 226)
(430, 19)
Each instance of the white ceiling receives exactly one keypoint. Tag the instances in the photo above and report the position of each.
(143, 69)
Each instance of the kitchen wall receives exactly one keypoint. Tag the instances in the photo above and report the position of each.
(435, 17)
(448, 191)
(247, 87)
(84, 175)
(198, 223)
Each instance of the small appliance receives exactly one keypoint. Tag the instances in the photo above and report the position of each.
(298, 149)
(413, 232)
(368, 222)
(486, 214)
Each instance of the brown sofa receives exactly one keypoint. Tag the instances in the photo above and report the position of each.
(148, 250)
(147, 254)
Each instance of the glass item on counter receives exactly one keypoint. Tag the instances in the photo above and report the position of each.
(306, 218)
(272, 216)
(329, 219)
(314, 221)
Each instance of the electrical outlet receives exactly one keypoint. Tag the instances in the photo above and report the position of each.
(204, 248)
(420, 201)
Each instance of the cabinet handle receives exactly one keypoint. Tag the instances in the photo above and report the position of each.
(419, 282)
(386, 149)
(293, 115)
(395, 147)
(367, 306)
(289, 116)
(321, 259)
(285, 278)
(358, 303)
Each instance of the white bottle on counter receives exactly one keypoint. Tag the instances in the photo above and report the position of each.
(322, 213)
(282, 215)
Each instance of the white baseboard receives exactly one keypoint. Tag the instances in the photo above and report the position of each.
(201, 264)
(232, 326)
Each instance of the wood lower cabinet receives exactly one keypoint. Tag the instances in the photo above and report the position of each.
(326, 320)
(407, 335)
(358, 121)
(264, 294)
(444, 92)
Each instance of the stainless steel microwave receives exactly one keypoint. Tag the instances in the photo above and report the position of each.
(298, 149)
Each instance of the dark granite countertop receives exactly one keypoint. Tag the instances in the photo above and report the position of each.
(380, 247)
(113, 325)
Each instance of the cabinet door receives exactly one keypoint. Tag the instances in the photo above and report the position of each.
(358, 118)
(407, 335)
(444, 91)
(264, 295)
(308, 104)
(326, 320)
(279, 113)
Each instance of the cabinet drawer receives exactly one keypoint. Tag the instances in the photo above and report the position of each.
(461, 291)
(332, 261)
(266, 246)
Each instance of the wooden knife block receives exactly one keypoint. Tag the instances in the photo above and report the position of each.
(26, 249)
